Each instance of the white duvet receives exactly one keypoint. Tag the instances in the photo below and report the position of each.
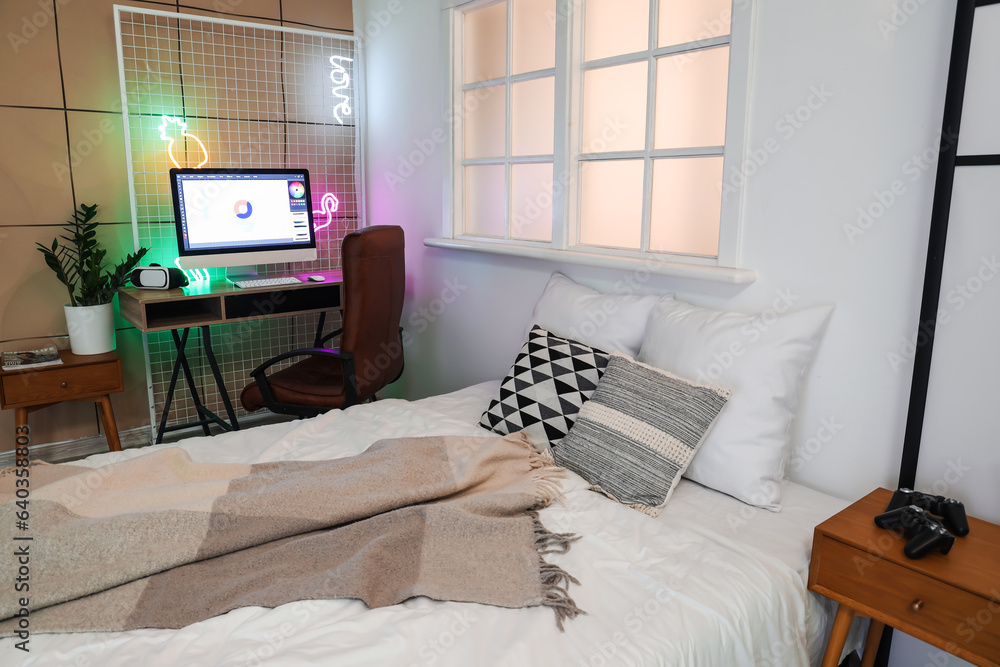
(710, 582)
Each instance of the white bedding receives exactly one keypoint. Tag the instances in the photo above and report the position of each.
(710, 582)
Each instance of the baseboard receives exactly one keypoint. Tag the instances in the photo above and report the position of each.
(71, 450)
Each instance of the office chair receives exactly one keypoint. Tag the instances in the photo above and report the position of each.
(371, 348)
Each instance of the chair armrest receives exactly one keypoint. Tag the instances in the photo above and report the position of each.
(350, 376)
(303, 352)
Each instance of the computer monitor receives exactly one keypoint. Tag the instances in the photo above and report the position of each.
(242, 217)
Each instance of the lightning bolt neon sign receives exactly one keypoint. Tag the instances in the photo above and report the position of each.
(193, 275)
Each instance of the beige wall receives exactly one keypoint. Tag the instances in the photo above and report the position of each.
(63, 145)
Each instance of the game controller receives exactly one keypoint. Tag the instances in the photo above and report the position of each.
(924, 532)
(951, 511)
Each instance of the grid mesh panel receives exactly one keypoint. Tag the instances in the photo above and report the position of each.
(254, 97)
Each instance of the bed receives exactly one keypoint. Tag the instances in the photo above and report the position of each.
(710, 581)
(629, 393)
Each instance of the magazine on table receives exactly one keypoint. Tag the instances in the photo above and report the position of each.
(24, 359)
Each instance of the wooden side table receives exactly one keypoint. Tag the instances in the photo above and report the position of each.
(951, 601)
(92, 378)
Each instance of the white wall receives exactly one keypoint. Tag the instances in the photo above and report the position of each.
(881, 73)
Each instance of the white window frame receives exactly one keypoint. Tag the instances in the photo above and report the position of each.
(568, 73)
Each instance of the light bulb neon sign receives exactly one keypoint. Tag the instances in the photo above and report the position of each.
(181, 124)
(341, 79)
(328, 205)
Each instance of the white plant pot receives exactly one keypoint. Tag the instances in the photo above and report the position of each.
(91, 328)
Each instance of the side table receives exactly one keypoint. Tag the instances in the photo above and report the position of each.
(951, 601)
(91, 378)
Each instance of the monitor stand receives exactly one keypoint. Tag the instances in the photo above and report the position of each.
(235, 273)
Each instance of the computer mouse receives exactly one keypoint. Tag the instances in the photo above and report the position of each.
(316, 279)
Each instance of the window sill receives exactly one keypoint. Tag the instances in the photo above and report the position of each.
(717, 274)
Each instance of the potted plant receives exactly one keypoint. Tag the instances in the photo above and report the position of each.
(79, 265)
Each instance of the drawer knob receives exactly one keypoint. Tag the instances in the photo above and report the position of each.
(917, 605)
(63, 385)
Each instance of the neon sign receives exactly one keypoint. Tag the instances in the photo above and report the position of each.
(182, 125)
(328, 205)
(341, 79)
(193, 275)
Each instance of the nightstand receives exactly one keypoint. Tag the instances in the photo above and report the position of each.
(950, 601)
(92, 377)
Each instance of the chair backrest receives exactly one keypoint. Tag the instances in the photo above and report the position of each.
(374, 280)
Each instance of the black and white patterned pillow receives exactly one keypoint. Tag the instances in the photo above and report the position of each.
(639, 431)
(550, 380)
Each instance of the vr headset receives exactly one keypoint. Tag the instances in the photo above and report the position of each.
(155, 276)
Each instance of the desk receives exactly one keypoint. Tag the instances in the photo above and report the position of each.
(948, 600)
(92, 378)
(220, 302)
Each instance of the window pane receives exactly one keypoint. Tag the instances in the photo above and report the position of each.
(611, 203)
(534, 37)
(683, 21)
(485, 192)
(691, 99)
(687, 204)
(486, 43)
(614, 27)
(486, 122)
(981, 104)
(614, 108)
(531, 202)
(533, 106)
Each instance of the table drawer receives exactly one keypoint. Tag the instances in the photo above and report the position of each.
(61, 384)
(951, 614)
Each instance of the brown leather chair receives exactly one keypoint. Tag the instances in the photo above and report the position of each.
(371, 351)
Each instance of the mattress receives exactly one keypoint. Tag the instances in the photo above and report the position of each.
(711, 581)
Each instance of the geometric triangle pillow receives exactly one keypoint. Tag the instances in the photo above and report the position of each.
(544, 390)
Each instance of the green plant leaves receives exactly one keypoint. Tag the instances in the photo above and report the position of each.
(80, 263)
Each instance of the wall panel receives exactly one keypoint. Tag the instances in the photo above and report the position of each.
(29, 60)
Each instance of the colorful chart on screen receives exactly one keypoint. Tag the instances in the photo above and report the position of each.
(243, 209)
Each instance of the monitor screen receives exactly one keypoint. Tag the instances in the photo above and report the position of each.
(236, 217)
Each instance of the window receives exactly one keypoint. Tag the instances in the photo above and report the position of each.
(508, 91)
(598, 129)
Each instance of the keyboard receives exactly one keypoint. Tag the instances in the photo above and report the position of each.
(267, 282)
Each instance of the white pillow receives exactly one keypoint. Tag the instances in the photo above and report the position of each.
(760, 358)
(609, 322)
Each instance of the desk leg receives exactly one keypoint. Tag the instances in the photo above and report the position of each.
(179, 344)
(110, 427)
(838, 636)
(206, 340)
(179, 362)
(871, 643)
(318, 342)
(199, 407)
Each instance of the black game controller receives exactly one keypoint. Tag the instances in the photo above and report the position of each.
(924, 532)
(951, 511)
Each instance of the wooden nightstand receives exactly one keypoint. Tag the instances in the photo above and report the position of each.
(950, 601)
(90, 378)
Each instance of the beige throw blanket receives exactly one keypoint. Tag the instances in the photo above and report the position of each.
(160, 541)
